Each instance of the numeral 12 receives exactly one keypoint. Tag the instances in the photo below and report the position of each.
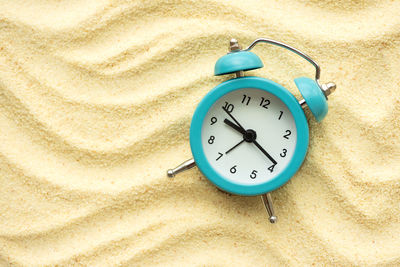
(264, 103)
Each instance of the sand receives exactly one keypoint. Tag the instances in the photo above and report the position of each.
(96, 99)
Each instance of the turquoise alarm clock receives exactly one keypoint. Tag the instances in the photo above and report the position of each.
(249, 135)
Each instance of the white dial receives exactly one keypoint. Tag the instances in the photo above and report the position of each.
(249, 136)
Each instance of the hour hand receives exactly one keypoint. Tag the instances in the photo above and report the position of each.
(234, 126)
(233, 118)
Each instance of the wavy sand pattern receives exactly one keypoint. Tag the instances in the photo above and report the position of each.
(96, 101)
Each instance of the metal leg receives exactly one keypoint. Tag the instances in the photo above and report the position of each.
(183, 167)
(303, 103)
(267, 200)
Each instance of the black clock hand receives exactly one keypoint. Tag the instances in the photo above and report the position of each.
(234, 146)
(233, 118)
(240, 129)
(265, 152)
(234, 126)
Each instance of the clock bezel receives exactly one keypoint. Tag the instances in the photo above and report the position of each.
(236, 84)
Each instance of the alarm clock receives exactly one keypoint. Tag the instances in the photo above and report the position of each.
(249, 135)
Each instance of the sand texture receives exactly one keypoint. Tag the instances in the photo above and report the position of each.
(96, 99)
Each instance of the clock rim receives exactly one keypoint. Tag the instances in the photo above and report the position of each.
(236, 84)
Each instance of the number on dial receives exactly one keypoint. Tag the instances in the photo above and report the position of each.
(257, 130)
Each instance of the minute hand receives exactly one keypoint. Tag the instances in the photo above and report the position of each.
(265, 152)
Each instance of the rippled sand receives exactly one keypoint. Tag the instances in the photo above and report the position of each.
(96, 101)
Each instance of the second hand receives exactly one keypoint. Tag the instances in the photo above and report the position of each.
(234, 146)
(240, 129)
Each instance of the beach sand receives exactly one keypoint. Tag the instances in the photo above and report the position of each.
(96, 99)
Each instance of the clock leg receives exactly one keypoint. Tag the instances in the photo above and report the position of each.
(182, 167)
(267, 200)
(303, 103)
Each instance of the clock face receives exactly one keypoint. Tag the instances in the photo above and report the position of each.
(249, 136)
